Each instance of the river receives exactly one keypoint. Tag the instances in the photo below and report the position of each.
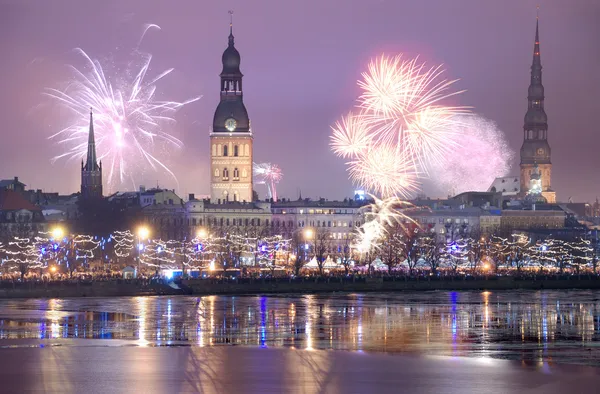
(532, 326)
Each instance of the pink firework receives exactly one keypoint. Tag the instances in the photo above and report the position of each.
(401, 127)
(385, 170)
(269, 174)
(481, 155)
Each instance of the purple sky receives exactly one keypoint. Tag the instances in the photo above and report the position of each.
(301, 60)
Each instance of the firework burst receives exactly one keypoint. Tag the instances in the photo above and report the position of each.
(400, 128)
(268, 174)
(380, 216)
(131, 125)
(482, 155)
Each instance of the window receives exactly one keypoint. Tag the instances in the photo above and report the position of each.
(236, 174)
(244, 173)
(246, 150)
(214, 149)
(227, 221)
(247, 222)
(236, 196)
(216, 172)
(225, 174)
(235, 151)
(194, 221)
(225, 150)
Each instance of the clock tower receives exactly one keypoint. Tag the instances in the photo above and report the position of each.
(535, 151)
(231, 135)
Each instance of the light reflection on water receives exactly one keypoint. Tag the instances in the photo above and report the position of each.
(543, 326)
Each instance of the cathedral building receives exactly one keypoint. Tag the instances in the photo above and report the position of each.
(535, 151)
(91, 171)
(231, 136)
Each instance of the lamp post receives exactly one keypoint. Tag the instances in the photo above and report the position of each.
(142, 233)
(308, 235)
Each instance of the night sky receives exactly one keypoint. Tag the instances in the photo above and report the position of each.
(301, 60)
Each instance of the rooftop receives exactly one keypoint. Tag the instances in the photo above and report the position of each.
(14, 201)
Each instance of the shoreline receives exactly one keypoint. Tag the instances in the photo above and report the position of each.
(204, 287)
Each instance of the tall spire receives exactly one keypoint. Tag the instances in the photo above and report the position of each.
(536, 66)
(231, 28)
(91, 163)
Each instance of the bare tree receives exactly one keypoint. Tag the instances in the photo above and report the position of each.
(296, 259)
(392, 248)
(321, 246)
(408, 247)
(431, 251)
(345, 252)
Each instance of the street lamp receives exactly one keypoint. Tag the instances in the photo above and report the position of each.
(143, 233)
(308, 234)
(57, 232)
(201, 234)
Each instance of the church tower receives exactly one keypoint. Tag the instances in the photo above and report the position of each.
(535, 150)
(231, 136)
(91, 171)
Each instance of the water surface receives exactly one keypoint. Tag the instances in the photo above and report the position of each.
(533, 326)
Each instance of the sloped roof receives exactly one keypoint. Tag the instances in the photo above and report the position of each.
(14, 201)
(7, 182)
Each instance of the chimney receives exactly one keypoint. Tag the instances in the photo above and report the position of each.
(142, 189)
(191, 197)
(16, 179)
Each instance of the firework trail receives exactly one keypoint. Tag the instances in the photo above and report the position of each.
(482, 156)
(401, 127)
(130, 123)
(380, 217)
(268, 174)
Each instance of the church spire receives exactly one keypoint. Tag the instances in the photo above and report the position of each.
(536, 66)
(536, 117)
(91, 163)
(231, 42)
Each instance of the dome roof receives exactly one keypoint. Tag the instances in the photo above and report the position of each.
(231, 59)
(231, 108)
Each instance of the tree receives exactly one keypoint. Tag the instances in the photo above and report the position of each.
(518, 251)
(499, 250)
(455, 254)
(321, 246)
(392, 248)
(22, 254)
(297, 251)
(431, 251)
(346, 252)
(408, 247)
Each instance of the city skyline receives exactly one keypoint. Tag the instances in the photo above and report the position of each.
(301, 115)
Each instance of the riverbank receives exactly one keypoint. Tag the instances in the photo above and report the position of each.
(117, 288)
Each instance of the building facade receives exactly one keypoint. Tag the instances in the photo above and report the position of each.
(19, 217)
(535, 150)
(91, 171)
(231, 136)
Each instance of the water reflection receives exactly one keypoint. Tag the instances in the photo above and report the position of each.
(540, 326)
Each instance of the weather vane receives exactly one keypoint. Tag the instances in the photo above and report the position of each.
(230, 17)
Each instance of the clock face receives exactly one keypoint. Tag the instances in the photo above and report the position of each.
(230, 124)
(540, 151)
